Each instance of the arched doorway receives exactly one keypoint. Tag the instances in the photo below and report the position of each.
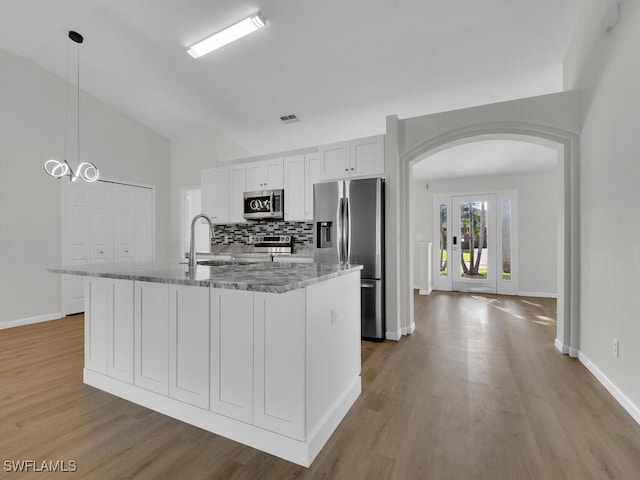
(567, 142)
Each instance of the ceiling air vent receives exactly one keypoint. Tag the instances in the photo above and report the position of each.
(289, 118)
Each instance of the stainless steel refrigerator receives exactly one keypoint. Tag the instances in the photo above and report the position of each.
(348, 218)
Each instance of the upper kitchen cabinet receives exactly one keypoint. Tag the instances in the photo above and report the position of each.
(237, 187)
(215, 193)
(363, 157)
(265, 175)
(300, 173)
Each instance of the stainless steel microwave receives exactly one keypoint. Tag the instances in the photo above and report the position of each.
(264, 204)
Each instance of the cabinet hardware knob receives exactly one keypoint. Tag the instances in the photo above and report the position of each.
(352, 169)
(346, 169)
(101, 252)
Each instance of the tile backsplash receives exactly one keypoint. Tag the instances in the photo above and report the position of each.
(302, 232)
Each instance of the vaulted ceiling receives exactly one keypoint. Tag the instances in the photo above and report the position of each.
(340, 66)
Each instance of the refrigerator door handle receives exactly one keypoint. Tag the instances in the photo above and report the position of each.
(347, 212)
(339, 228)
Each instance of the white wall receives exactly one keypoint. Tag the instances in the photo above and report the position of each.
(31, 131)
(537, 206)
(188, 158)
(610, 195)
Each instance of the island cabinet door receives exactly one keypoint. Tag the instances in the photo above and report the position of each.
(279, 364)
(95, 324)
(189, 344)
(151, 321)
(120, 330)
(232, 353)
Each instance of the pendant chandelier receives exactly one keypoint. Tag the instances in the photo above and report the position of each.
(86, 171)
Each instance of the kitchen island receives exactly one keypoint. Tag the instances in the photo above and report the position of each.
(266, 354)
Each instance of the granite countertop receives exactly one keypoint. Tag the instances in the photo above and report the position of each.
(270, 277)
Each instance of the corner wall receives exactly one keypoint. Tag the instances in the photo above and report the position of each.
(610, 230)
(32, 131)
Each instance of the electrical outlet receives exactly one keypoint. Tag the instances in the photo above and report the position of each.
(616, 348)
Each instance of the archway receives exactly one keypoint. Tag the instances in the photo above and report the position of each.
(567, 335)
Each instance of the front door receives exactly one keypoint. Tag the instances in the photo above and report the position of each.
(473, 237)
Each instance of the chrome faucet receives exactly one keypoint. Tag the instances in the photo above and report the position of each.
(192, 244)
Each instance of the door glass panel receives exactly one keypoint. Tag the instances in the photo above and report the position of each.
(473, 240)
(506, 240)
(443, 239)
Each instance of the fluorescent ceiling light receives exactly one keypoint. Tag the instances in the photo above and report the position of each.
(228, 35)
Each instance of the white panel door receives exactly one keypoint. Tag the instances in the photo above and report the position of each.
(143, 231)
(76, 214)
(294, 188)
(232, 353)
(101, 222)
(279, 364)
(311, 177)
(120, 330)
(123, 223)
(96, 324)
(151, 333)
(189, 344)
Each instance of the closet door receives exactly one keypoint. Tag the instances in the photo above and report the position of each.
(123, 223)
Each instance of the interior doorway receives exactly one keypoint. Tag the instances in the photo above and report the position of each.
(492, 210)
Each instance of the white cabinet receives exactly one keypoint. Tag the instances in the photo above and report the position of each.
(237, 187)
(232, 353)
(189, 344)
(151, 324)
(294, 188)
(311, 176)
(279, 362)
(95, 324)
(300, 173)
(120, 330)
(267, 174)
(356, 158)
(214, 183)
(109, 327)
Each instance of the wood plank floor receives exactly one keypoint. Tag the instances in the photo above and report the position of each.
(477, 392)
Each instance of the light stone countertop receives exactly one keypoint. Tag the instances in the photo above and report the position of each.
(270, 277)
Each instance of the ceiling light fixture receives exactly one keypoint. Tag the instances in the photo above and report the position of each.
(234, 32)
(87, 171)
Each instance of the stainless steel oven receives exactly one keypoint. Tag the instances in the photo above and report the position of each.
(264, 204)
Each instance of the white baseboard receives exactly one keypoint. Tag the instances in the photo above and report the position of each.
(622, 399)
(28, 321)
(561, 347)
(296, 451)
(409, 330)
(425, 291)
(538, 294)
(393, 335)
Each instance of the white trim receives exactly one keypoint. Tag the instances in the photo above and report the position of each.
(410, 329)
(425, 292)
(393, 335)
(538, 294)
(302, 453)
(622, 399)
(29, 320)
(560, 347)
